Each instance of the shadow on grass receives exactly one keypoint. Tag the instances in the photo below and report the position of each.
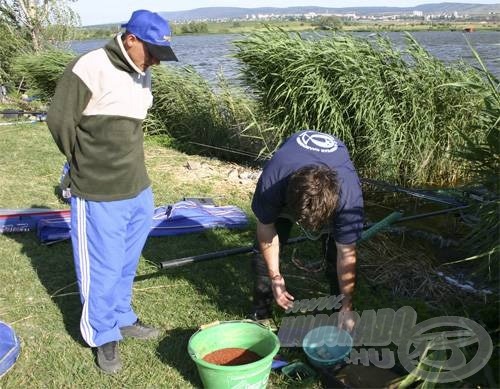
(172, 351)
(55, 270)
(226, 282)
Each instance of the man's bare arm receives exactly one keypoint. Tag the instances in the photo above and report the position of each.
(269, 246)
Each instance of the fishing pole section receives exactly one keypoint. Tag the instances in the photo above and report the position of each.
(14, 115)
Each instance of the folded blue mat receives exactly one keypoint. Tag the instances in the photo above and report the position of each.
(180, 218)
(9, 348)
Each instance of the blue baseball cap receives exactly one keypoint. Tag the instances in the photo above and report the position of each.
(154, 31)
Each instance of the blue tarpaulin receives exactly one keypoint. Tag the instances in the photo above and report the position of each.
(9, 348)
(23, 220)
(180, 218)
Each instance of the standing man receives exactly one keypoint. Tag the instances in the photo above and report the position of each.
(96, 120)
(311, 181)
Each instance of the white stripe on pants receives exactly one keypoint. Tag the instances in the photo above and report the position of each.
(107, 239)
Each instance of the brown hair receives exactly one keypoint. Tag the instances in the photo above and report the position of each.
(312, 195)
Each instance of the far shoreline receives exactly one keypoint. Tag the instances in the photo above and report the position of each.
(213, 28)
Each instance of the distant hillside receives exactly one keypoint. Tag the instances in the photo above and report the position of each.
(235, 12)
(471, 9)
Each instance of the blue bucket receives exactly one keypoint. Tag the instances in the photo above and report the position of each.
(327, 345)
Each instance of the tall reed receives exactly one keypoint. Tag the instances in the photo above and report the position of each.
(198, 117)
(483, 242)
(13, 43)
(392, 108)
(41, 71)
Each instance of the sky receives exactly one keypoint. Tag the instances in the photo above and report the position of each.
(113, 11)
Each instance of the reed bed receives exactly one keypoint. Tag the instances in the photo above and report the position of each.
(187, 113)
(11, 44)
(197, 117)
(400, 112)
(483, 241)
(392, 108)
(408, 272)
(41, 71)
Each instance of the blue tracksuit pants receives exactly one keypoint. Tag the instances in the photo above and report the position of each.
(108, 238)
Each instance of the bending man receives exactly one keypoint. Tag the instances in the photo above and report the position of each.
(311, 181)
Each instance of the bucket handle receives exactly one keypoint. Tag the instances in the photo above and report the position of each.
(208, 325)
(217, 322)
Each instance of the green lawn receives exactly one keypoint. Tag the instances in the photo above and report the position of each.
(39, 298)
(38, 295)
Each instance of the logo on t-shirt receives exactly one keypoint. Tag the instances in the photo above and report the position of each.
(317, 141)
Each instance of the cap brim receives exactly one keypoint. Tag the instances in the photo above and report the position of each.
(162, 53)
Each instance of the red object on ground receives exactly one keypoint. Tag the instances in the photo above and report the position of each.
(231, 357)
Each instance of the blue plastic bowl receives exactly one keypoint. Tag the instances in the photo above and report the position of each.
(327, 345)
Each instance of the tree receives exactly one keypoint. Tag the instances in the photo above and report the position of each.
(328, 23)
(45, 21)
(194, 28)
(13, 42)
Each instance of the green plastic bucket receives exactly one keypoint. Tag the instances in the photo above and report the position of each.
(234, 334)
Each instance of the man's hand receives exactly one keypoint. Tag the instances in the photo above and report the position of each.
(346, 319)
(282, 297)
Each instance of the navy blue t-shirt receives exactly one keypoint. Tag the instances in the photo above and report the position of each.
(311, 148)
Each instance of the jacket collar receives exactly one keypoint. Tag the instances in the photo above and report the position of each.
(119, 57)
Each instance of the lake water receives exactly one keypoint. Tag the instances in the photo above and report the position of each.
(211, 54)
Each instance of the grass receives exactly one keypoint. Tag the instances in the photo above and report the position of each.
(39, 298)
(393, 108)
(38, 295)
(484, 240)
(41, 71)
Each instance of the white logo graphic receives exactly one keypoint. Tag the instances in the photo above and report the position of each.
(323, 143)
(460, 349)
(416, 349)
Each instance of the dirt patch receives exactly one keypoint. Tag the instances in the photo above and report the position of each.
(357, 376)
(228, 177)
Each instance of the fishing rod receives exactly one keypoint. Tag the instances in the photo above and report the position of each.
(367, 234)
(393, 218)
(226, 149)
(217, 254)
(20, 112)
(41, 116)
(418, 193)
